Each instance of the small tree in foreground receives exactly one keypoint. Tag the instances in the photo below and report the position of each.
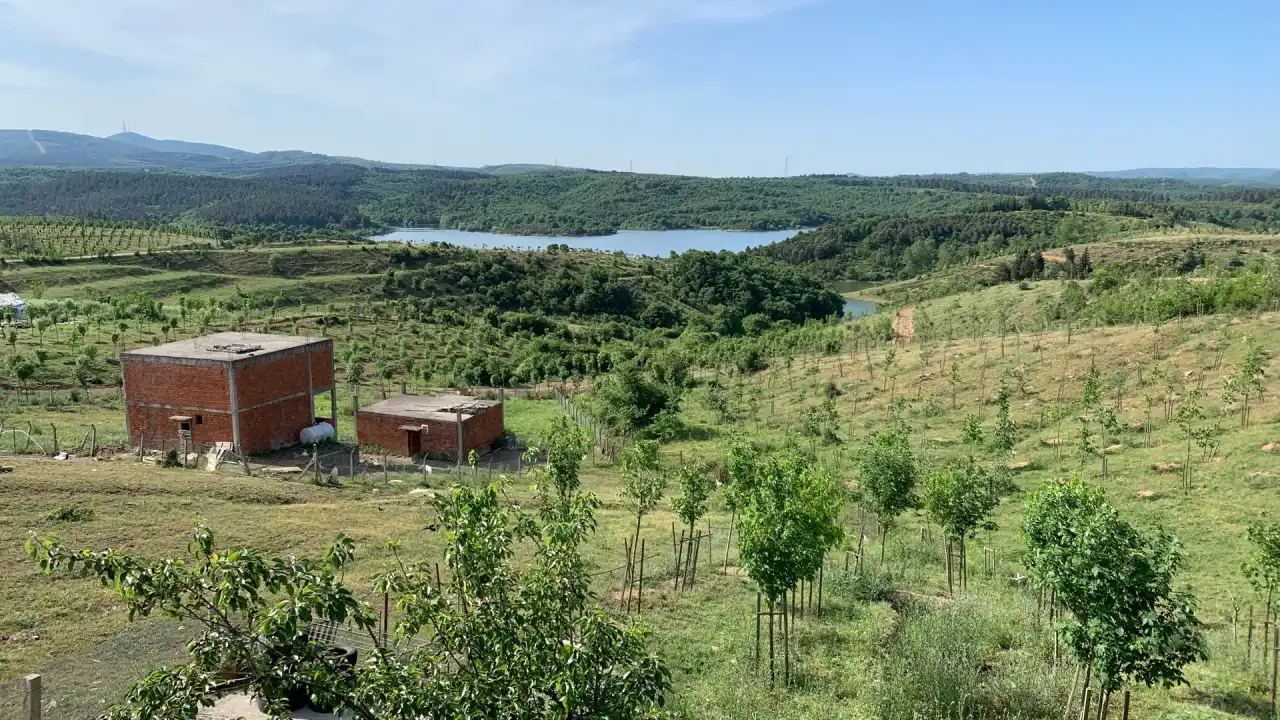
(959, 497)
(695, 490)
(887, 477)
(644, 480)
(1262, 567)
(500, 640)
(790, 510)
(1128, 623)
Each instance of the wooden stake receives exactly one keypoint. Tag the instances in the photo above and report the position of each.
(772, 674)
(1071, 696)
(1275, 666)
(757, 655)
(1248, 642)
(728, 543)
(1125, 716)
(640, 584)
(786, 646)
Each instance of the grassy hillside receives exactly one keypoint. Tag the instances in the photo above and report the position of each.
(892, 641)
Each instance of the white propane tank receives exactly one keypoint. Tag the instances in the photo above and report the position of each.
(317, 433)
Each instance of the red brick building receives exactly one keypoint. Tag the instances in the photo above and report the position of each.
(412, 425)
(253, 390)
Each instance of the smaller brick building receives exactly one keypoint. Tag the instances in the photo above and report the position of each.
(253, 390)
(412, 425)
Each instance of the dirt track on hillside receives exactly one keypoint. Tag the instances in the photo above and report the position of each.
(904, 324)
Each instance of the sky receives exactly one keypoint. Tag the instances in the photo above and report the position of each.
(705, 87)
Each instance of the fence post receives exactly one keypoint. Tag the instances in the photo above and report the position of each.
(30, 697)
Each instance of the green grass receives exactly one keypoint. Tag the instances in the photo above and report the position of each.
(889, 642)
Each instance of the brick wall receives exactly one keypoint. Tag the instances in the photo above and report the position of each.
(169, 382)
(479, 433)
(275, 425)
(271, 378)
(151, 424)
(191, 388)
(483, 430)
(322, 365)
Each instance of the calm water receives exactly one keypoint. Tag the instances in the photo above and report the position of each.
(857, 308)
(654, 243)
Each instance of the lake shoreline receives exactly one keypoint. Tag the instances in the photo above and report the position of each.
(638, 243)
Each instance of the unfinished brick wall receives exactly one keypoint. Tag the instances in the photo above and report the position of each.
(275, 425)
(271, 377)
(480, 432)
(172, 382)
(273, 394)
(153, 425)
(322, 365)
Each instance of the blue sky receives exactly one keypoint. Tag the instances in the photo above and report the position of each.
(711, 87)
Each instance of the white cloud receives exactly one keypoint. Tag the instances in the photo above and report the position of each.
(345, 52)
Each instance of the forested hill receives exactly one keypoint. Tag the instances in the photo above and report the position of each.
(308, 198)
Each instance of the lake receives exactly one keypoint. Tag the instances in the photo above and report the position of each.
(654, 243)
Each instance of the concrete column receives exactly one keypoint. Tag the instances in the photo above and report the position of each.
(459, 438)
(124, 392)
(235, 407)
(355, 414)
(311, 394)
(30, 697)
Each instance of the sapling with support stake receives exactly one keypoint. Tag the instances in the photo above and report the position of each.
(789, 520)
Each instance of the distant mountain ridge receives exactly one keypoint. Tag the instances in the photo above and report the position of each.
(134, 151)
(1248, 177)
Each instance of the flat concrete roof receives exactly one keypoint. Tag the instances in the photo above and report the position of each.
(226, 346)
(430, 407)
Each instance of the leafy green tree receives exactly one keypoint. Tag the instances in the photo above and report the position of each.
(644, 479)
(22, 369)
(887, 476)
(42, 326)
(959, 497)
(695, 490)
(1005, 436)
(499, 639)
(822, 422)
(971, 430)
(1128, 624)
(1262, 566)
(629, 400)
(1188, 416)
(86, 368)
(790, 519)
(1248, 380)
(1110, 425)
(355, 373)
(953, 380)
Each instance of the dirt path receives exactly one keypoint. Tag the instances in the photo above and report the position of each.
(39, 145)
(904, 324)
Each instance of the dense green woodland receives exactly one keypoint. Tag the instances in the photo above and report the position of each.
(348, 197)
